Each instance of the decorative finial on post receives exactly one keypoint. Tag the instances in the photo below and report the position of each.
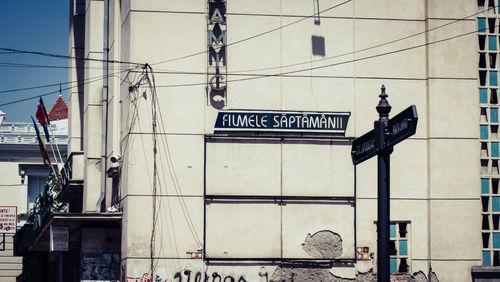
(383, 107)
(383, 95)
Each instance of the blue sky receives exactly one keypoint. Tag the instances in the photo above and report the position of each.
(32, 25)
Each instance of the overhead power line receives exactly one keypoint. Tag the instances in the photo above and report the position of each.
(46, 94)
(18, 51)
(367, 48)
(277, 74)
(18, 65)
(325, 66)
(31, 88)
(256, 35)
(59, 56)
(241, 72)
(55, 84)
(91, 80)
(335, 56)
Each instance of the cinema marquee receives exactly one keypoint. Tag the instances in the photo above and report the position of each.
(299, 122)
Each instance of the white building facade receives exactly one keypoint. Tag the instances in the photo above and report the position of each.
(225, 150)
(23, 176)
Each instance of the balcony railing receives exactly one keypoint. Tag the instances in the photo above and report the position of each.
(72, 181)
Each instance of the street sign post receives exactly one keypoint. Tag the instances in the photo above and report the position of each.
(400, 127)
(380, 141)
(363, 148)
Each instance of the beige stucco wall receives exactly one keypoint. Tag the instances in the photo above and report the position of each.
(434, 174)
(12, 189)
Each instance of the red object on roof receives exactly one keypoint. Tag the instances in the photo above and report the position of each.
(59, 109)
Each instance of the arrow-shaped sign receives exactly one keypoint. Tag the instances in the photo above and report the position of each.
(400, 127)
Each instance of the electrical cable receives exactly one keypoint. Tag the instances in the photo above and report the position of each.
(332, 7)
(367, 48)
(32, 87)
(157, 206)
(284, 73)
(65, 56)
(134, 103)
(155, 173)
(55, 84)
(57, 91)
(19, 65)
(278, 74)
(256, 35)
(170, 164)
(46, 94)
(324, 66)
(241, 72)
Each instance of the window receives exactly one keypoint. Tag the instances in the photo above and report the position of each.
(493, 78)
(494, 115)
(35, 175)
(481, 24)
(399, 247)
(485, 185)
(483, 95)
(36, 185)
(494, 149)
(484, 132)
(493, 97)
(492, 42)
(488, 36)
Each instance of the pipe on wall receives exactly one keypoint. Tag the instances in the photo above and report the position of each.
(104, 106)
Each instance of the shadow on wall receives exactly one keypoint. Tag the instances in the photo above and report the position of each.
(318, 45)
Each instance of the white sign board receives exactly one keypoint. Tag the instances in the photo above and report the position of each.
(59, 238)
(8, 219)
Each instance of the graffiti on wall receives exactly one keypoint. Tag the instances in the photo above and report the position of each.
(199, 277)
(145, 278)
(192, 276)
(100, 266)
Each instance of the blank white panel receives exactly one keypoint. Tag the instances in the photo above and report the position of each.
(237, 168)
(320, 169)
(243, 230)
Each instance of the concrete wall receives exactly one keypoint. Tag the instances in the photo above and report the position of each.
(434, 174)
(10, 266)
(12, 189)
(14, 193)
(92, 110)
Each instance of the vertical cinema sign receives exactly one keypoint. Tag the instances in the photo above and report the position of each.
(217, 63)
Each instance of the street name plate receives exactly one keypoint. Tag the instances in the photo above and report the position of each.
(402, 126)
(363, 147)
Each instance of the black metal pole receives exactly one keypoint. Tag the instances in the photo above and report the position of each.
(383, 210)
(383, 187)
